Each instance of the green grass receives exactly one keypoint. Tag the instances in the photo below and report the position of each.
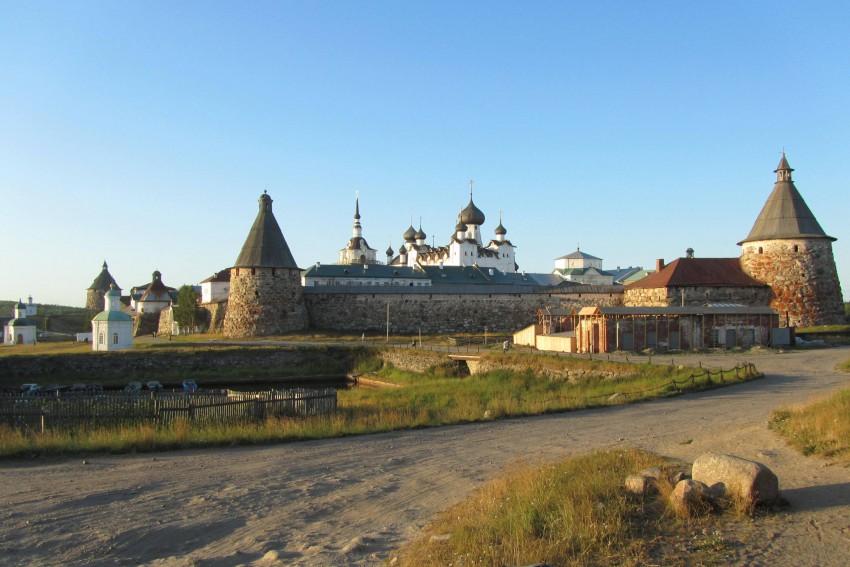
(818, 428)
(425, 400)
(571, 512)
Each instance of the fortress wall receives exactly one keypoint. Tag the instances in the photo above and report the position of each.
(441, 313)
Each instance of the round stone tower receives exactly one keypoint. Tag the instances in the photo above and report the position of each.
(265, 284)
(788, 250)
(97, 290)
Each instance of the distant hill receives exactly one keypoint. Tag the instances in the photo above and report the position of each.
(53, 318)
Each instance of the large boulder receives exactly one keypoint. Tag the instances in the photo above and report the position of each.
(749, 480)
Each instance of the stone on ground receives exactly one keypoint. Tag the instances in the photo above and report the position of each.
(749, 480)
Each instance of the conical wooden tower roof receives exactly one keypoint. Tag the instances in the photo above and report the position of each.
(104, 280)
(265, 246)
(785, 214)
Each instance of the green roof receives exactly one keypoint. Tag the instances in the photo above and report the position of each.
(112, 316)
(22, 322)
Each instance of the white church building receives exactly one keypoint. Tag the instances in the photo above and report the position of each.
(112, 329)
(465, 248)
(21, 330)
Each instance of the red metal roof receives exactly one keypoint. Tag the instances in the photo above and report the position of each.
(690, 272)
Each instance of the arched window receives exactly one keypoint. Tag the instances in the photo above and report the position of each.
(796, 248)
(761, 250)
(100, 338)
(115, 338)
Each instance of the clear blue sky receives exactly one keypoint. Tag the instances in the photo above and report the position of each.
(143, 133)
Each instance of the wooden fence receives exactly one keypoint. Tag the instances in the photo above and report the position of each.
(41, 413)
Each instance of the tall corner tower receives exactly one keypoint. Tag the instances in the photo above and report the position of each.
(265, 283)
(788, 250)
(97, 290)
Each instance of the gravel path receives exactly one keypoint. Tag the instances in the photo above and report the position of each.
(351, 501)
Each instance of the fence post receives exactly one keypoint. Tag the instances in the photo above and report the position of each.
(191, 412)
(42, 421)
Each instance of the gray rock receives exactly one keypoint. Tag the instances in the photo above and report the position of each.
(641, 485)
(689, 494)
(749, 480)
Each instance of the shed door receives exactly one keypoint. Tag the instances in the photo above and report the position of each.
(627, 341)
(674, 340)
(730, 338)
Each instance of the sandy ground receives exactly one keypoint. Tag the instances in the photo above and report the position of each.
(351, 501)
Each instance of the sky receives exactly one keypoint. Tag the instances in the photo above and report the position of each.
(143, 133)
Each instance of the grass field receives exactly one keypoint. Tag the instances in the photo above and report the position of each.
(571, 512)
(424, 400)
(819, 428)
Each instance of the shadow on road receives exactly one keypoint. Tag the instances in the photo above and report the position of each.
(818, 496)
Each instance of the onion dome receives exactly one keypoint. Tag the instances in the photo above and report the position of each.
(409, 234)
(402, 251)
(500, 230)
(460, 226)
(113, 292)
(472, 214)
(390, 251)
(420, 234)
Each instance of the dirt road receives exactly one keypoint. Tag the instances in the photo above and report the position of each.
(350, 501)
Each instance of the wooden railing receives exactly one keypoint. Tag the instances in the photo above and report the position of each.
(40, 413)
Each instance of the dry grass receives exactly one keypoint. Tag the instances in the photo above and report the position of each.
(425, 400)
(820, 428)
(573, 512)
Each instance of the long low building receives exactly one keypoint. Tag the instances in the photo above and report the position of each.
(611, 329)
(603, 329)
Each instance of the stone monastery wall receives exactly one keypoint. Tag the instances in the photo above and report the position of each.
(440, 313)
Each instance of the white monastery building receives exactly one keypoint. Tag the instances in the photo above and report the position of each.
(465, 248)
(112, 329)
(21, 330)
(357, 251)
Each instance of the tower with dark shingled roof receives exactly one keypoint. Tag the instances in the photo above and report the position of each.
(97, 290)
(788, 250)
(265, 283)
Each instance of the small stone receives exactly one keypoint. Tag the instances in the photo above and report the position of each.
(85, 462)
(271, 555)
(640, 484)
(440, 538)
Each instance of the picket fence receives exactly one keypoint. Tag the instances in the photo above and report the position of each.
(111, 410)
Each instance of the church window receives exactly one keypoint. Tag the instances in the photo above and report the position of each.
(253, 271)
(100, 338)
(761, 250)
(796, 248)
(115, 338)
